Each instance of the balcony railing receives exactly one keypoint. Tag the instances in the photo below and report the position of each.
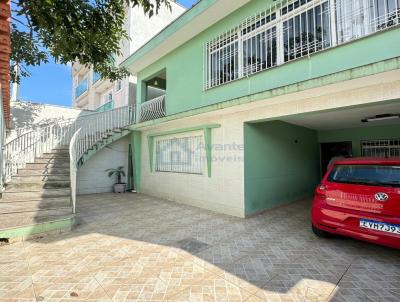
(81, 88)
(153, 109)
(106, 107)
(96, 76)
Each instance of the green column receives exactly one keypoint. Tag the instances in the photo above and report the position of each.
(136, 143)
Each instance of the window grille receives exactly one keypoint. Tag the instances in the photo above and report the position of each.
(180, 155)
(380, 148)
(292, 30)
(307, 32)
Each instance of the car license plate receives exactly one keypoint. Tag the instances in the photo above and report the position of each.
(380, 226)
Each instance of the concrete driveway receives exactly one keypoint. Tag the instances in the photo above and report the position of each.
(138, 248)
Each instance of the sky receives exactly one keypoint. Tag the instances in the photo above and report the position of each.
(51, 83)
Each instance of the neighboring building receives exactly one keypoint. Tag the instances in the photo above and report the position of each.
(260, 95)
(91, 92)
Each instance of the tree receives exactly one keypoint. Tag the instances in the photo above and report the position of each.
(88, 31)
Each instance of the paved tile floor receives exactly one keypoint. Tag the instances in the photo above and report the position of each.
(138, 248)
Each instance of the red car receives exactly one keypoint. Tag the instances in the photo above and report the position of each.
(360, 198)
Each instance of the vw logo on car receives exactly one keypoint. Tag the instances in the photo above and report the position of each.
(381, 196)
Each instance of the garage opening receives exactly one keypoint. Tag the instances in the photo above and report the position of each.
(285, 159)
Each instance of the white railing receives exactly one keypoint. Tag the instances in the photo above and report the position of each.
(73, 168)
(289, 30)
(92, 129)
(23, 149)
(95, 126)
(152, 109)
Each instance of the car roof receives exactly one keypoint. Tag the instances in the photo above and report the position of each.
(368, 160)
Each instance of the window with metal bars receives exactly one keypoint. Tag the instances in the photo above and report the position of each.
(380, 148)
(180, 155)
(358, 18)
(259, 51)
(307, 32)
(224, 60)
(291, 30)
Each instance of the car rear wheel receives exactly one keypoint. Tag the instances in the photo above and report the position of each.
(321, 233)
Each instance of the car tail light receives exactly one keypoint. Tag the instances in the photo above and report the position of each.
(321, 191)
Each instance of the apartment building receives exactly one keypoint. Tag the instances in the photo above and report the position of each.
(90, 91)
(260, 95)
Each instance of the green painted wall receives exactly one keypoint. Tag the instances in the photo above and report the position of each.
(281, 164)
(136, 142)
(356, 135)
(184, 66)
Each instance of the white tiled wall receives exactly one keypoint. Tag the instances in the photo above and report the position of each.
(223, 192)
(92, 177)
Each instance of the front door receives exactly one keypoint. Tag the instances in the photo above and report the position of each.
(331, 150)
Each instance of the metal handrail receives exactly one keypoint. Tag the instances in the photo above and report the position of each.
(23, 149)
(152, 109)
(73, 168)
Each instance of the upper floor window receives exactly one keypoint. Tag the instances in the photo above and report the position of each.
(223, 59)
(306, 32)
(258, 43)
(286, 32)
(118, 86)
(356, 19)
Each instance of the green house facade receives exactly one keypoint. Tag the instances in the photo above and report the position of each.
(255, 97)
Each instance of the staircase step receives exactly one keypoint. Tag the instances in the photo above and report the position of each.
(22, 178)
(35, 195)
(59, 150)
(60, 155)
(61, 147)
(58, 160)
(39, 213)
(49, 200)
(24, 220)
(34, 186)
(46, 166)
(33, 206)
(45, 171)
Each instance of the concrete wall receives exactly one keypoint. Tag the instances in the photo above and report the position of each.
(28, 115)
(281, 164)
(92, 177)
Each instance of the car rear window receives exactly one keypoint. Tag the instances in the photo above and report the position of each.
(371, 175)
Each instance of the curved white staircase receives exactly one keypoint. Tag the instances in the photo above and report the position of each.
(41, 166)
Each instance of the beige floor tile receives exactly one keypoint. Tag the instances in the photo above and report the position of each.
(139, 248)
(210, 288)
